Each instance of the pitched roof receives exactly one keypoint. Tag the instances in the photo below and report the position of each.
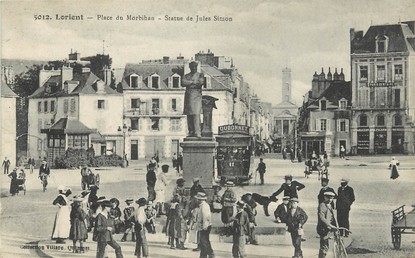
(219, 80)
(69, 126)
(6, 92)
(400, 39)
(87, 84)
(335, 92)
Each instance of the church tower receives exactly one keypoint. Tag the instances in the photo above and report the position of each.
(286, 84)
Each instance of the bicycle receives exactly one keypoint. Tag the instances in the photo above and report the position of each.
(339, 250)
(44, 180)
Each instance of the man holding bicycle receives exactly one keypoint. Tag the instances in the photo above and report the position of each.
(44, 172)
(326, 222)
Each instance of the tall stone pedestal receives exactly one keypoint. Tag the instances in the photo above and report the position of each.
(198, 160)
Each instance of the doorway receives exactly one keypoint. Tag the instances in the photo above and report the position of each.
(342, 143)
(134, 150)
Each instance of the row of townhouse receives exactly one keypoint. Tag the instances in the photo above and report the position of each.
(144, 117)
(374, 112)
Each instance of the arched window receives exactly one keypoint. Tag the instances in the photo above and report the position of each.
(380, 120)
(397, 120)
(363, 120)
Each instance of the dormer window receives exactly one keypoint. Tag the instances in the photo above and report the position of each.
(323, 104)
(154, 81)
(207, 83)
(174, 81)
(381, 44)
(343, 104)
(135, 81)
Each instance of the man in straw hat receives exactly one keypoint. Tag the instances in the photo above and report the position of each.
(205, 224)
(326, 223)
(240, 228)
(296, 218)
(344, 202)
(228, 200)
(104, 232)
(193, 82)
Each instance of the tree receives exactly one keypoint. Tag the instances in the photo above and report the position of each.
(98, 63)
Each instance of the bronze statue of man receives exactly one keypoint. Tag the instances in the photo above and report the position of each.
(193, 82)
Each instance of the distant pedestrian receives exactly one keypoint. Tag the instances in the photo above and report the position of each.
(284, 153)
(394, 168)
(174, 160)
(281, 212)
(62, 223)
(296, 219)
(78, 231)
(14, 186)
(289, 188)
(261, 169)
(292, 155)
(104, 229)
(326, 223)
(228, 201)
(205, 225)
(299, 155)
(6, 165)
(240, 228)
(345, 199)
(31, 162)
(151, 179)
(180, 163)
(44, 171)
(342, 152)
(85, 173)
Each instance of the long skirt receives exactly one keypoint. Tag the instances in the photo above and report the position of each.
(227, 213)
(78, 230)
(62, 224)
(394, 172)
(14, 187)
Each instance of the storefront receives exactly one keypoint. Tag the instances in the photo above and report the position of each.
(380, 141)
(363, 141)
(312, 141)
(398, 136)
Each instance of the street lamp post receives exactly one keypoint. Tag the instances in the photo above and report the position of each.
(124, 130)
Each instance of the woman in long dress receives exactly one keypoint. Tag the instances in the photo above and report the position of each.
(14, 186)
(78, 230)
(394, 168)
(62, 223)
(161, 184)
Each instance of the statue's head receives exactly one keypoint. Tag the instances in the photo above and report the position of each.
(193, 66)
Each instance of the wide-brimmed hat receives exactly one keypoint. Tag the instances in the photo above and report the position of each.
(329, 194)
(129, 200)
(115, 200)
(196, 179)
(77, 199)
(344, 179)
(106, 203)
(294, 199)
(286, 198)
(201, 196)
(180, 181)
(165, 168)
(240, 204)
(44, 162)
(229, 183)
(141, 201)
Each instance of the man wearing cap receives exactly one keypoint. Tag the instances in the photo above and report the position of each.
(104, 231)
(228, 201)
(326, 223)
(193, 82)
(240, 228)
(296, 218)
(140, 218)
(129, 220)
(250, 209)
(205, 225)
(289, 188)
(151, 179)
(261, 170)
(344, 202)
(325, 188)
(281, 212)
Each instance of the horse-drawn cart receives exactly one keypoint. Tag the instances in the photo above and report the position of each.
(402, 223)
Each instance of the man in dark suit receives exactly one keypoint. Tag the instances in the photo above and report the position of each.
(289, 188)
(345, 200)
(6, 165)
(325, 223)
(282, 210)
(296, 218)
(104, 229)
(151, 179)
(261, 170)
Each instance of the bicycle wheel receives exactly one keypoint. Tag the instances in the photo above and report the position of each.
(338, 249)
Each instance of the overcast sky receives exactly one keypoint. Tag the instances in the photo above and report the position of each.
(263, 37)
